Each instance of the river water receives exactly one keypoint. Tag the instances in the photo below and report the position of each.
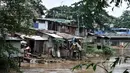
(65, 67)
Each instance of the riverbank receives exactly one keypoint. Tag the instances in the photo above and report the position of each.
(66, 65)
(63, 67)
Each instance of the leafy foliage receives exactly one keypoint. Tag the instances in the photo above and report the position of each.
(115, 62)
(88, 12)
(107, 50)
(93, 12)
(124, 20)
(63, 12)
(88, 65)
(126, 71)
(15, 16)
(58, 40)
(101, 65)
(85, 12)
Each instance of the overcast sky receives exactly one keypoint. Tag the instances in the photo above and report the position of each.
(54, 3)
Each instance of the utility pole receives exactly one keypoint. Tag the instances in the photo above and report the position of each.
(83, 26)
(61, 8)
(53, 13)
(61, 3)
(78, 23)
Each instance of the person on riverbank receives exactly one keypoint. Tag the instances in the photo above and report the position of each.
(27, 51)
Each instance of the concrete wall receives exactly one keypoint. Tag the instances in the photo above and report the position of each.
(38, 47)
(43, 25)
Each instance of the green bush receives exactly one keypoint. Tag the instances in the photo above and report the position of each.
(90, 49)
(3, 64)
(108, 50)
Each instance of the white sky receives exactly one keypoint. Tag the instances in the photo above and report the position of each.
(54, 3)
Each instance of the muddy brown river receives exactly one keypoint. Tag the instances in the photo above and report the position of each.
(65, 67)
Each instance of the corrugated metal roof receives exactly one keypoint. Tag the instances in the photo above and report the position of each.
(36, 37)
(13, 38)
(118, 36)
(68, 36)
(54, 35)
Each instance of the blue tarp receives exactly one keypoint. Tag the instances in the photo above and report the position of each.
(35, 25)
(99, 32)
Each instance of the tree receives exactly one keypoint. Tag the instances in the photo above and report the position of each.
(15, 16)
(93, 11)
(85, 12)
(124, 20)
(38, 8)
(59, 12)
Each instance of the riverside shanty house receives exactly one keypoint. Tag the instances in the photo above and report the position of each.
(60, 49)
(120, 43)
(61, 25)
(50, 47)
(36, 43)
